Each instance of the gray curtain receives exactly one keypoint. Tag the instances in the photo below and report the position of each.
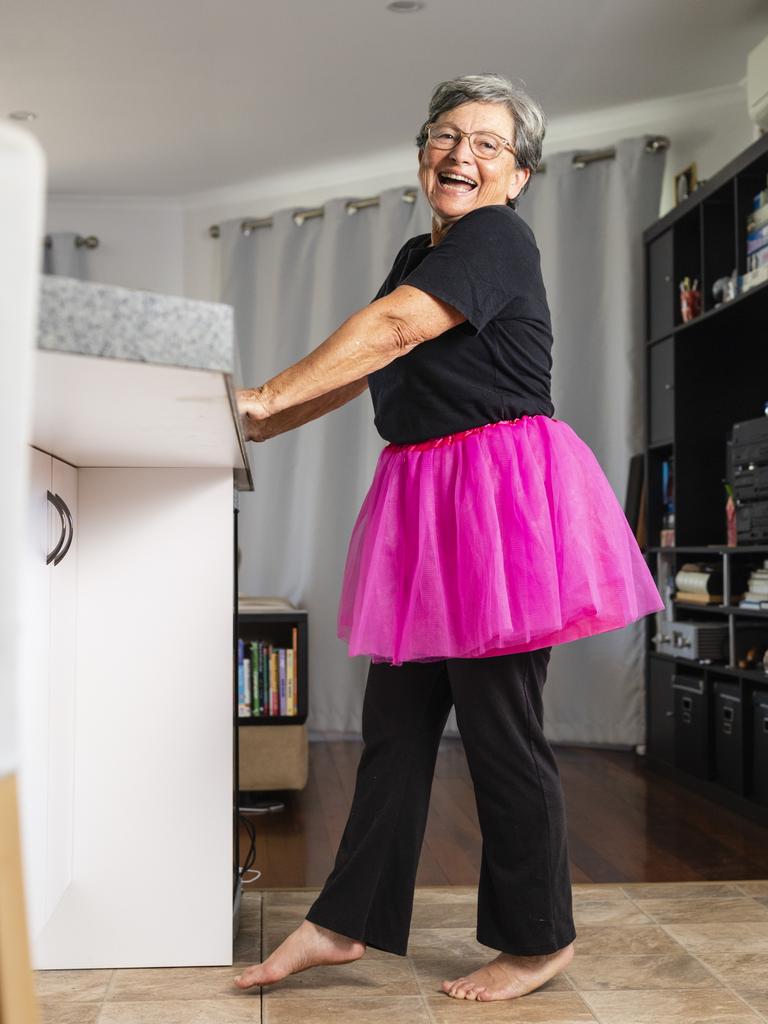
(61, 256)
(292, 284)
(588, 224)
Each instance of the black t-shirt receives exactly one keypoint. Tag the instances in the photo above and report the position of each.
(494, 366)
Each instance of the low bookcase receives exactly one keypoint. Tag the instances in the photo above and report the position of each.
(273, 749)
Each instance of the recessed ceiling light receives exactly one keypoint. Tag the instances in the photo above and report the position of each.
(405, 6)
(22, 115)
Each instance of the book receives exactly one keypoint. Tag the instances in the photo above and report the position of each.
(757, 218)
(257, 604)
(281, 680)
(696, 597)
(243, 708)
(758, 259)
(295, 637)
(756, 235)
(274, 692)
(255, 688)
(290, 684)
(699, 577)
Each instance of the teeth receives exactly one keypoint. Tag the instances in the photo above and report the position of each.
(458, 177)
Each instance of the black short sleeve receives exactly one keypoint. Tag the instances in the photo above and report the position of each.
(486, 260)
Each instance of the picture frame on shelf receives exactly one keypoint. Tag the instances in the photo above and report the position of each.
(685, 183)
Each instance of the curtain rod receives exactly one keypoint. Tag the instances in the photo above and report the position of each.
(654, 145)
(89, 242)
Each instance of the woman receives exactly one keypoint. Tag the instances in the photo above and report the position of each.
(489, 534)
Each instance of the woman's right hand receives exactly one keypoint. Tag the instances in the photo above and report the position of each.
(253, 415)
(254, 430)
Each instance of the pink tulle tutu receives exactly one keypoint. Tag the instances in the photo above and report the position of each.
(503, 538)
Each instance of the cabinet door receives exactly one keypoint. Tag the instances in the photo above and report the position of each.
(32, 699)
(661, 286)
(662, 391)
(47, 692)
(661, 721)
(61, 703)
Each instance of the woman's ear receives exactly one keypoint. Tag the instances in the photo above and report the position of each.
(516, 185)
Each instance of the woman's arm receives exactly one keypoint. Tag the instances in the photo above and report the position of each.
(298, 415)
(371, 338)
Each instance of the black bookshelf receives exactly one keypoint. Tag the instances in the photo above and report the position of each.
(702, 376)
(277, 628)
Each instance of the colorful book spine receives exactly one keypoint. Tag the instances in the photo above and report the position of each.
(295, 645)
(281, 681)
(242, 709)
(255, 692)
(290, 686)
(273, 681)
(247, 684)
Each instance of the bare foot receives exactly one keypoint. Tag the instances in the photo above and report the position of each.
(508, 977)
(307, 946)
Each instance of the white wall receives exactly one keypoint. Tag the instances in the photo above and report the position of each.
(141, 241)
(165, 245)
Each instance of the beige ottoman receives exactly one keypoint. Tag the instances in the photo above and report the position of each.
(273, 757)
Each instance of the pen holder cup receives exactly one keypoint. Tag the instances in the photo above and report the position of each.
(690, 303)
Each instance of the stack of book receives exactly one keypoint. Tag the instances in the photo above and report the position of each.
(702, 583)
(757, 242)
(757, 588)
(699, 583)
(266, 677)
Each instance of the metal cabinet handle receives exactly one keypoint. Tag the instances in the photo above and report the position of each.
(61, 548)
(65, 549)
(54, 500)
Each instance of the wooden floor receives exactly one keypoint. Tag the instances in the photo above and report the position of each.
(625, 823)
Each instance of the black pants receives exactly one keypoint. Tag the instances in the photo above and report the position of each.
(524, 896)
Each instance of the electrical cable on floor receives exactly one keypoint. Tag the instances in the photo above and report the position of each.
(263, 806)
(251, 855)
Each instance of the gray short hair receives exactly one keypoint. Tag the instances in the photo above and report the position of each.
(527, 116)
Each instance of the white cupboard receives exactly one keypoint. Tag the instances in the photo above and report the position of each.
(125, 701)
(47, 707)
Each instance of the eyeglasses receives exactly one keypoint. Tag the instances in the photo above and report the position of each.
(485, 145)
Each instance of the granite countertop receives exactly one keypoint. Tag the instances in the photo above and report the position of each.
(122, 323)
(142, 329)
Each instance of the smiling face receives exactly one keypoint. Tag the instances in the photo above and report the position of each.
(495, 180)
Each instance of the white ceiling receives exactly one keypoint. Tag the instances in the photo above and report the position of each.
(173, 97)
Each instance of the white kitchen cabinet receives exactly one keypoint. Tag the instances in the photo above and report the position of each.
(126, 699)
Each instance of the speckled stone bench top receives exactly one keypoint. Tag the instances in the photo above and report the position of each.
(122, 323)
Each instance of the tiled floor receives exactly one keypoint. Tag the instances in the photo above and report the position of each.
(665, 953)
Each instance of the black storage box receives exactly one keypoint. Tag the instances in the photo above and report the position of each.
(729, 734)
(750, 441)
(760, 746)
(692, 725)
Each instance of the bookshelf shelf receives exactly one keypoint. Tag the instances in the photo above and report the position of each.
(754, 301)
